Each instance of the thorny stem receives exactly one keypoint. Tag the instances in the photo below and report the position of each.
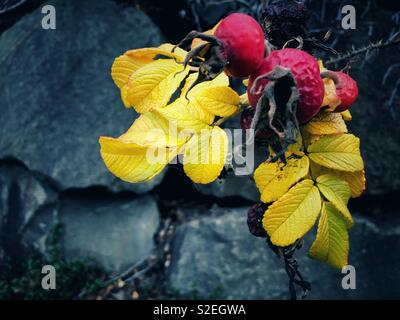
(299, 41)
(314, 42)
(393, 40)
(291, 267)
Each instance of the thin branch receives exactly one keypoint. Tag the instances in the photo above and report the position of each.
(142, 267)
(392, 41)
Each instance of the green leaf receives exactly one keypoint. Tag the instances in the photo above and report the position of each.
(338, 192)
(332, 242)
(340, 152)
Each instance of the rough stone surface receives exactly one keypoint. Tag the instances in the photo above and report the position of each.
(56, 93)
(111, 230)
(232, 186)
(217, 257)
(114, 233)
(22, 198)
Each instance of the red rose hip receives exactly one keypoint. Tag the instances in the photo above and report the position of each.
(306, 73)
(243, 44)
(346, 90)
(236, 47)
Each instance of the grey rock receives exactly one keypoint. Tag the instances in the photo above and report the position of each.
(115, 233)
(23, 198)
(56, 93)
(232, 186)
(216, 257)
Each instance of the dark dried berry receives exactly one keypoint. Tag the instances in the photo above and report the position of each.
(254, 220)
(284, 21)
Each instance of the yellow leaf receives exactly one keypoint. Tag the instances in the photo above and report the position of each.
(179, 54)
(124, 96)
(204, 155)
(293, 215)
(346, 115)
(355, 180)
(220, 101)
(221, 80)
(125, 65)
(214, 97)
(244, 100)
(332, 242)
(150, 129)
(331, 100)
(321, 66)
(326, 123)
(340, 152)
(153, 85)
(129, 62)
(273, 180)
(186, 115)
(133, 163)
(337, 192)
(307, 137)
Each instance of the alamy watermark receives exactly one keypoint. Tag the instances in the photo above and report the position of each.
(49, 280)
(349, 280)
(49, 19)
(349, 19)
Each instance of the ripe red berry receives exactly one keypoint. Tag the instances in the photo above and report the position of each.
(306, 73)
(236, 46)
(346, 90)
(243, 44)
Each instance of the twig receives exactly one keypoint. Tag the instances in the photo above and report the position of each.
(142, 267)
(291, 267)
(6, 7)
(393, 40)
